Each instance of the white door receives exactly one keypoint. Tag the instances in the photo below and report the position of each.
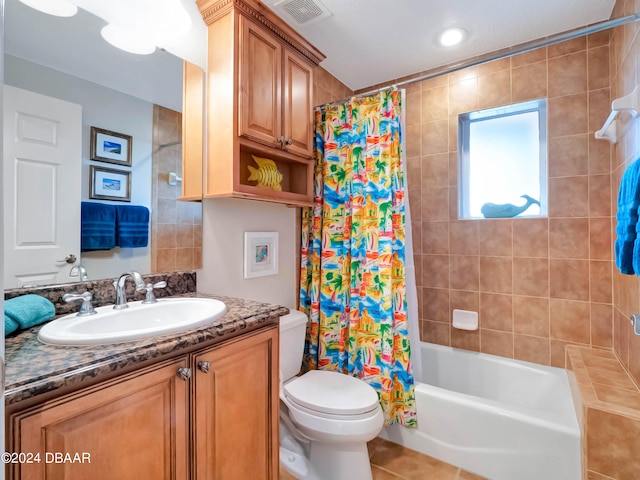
(42, 187)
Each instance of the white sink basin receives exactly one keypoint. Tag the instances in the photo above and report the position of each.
(168, 315)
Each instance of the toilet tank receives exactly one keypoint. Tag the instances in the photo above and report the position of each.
(293, 328)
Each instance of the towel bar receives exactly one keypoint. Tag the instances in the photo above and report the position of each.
(629, 103)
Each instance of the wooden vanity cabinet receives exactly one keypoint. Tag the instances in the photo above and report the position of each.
(235, 411)
(131, 428)
(259, 102)
(176, 420)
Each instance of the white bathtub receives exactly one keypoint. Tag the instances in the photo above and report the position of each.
(500, 418)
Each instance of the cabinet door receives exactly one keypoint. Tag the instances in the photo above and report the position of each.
(259, 84)
(130, 429)
(298, 105)
(236, 410)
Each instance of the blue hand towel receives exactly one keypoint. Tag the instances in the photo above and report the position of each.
(29, 310)
(98, 226)
(627, 217)
(132, 226)
(10, 325)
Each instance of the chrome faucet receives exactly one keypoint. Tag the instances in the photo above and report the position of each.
(79, 271)
(121, 296)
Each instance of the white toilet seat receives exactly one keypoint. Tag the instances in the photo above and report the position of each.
(329, 394)
(335, 428)
(332, 407)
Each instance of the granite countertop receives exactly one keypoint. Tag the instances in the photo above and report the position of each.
(33, 368)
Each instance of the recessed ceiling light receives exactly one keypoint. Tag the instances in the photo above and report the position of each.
(59, 8)
(452, 36)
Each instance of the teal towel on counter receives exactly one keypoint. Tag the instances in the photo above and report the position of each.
(29, 310)
(627, 218)
(132, 226)
(10, 325)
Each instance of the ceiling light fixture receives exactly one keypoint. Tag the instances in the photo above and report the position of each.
(127, 40)
(452, 36)
(59, 8)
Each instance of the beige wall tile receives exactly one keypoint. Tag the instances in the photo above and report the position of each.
(531, 237)
(435, 237)
(435, 170)
(531, 277)
(568, 115)
(531, 349)
(569, 279)
(435, 104)
(464, 237)
(435, 303)
(496, 311)
(612, 446)
(569, 197)
(570, 321)
(436, 332)
(496, 343)
(435, 204)
(529, 82)
(531, 316)
(496, 274)
(464, 272)
(495, 237)
(569, 155)
(494, 89)
(435, 271)
(598, 76)
(463, 96)
(568, 74)
(569, 238)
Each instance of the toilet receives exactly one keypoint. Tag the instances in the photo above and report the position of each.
(326, 418)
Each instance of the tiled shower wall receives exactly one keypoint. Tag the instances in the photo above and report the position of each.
(537, 283)
(625, 61)
(176, 227)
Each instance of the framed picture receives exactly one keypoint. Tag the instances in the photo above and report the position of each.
(260, 254)
(110, 147)
(109, 184)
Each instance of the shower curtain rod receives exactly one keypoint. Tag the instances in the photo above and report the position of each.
(504, 53)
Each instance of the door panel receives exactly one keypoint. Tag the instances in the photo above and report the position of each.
(42, 187)
(259, 84)
(298, 105)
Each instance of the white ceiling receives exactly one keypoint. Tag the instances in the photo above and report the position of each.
(366, 42)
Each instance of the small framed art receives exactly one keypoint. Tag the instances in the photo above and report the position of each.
(109, 184)
(260, 254)
(110, 147)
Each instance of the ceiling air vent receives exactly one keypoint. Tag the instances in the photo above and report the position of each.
(302, 12)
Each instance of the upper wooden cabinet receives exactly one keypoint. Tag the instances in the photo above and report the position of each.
(275, 92)
(192, 131)
(259, 87)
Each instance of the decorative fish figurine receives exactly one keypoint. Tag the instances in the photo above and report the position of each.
(507, 210)
(267, 174)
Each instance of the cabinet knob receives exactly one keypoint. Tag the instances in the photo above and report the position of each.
(281, 141)
(184, 373)
(289, 142)
(204, 366)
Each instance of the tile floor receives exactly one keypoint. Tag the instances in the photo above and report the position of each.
(390, 461)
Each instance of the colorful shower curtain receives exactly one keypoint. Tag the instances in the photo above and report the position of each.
(353, 253)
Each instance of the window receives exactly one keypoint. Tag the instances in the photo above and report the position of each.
(502, 158)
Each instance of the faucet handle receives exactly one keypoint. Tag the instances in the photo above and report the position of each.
(151, 298)
(86, 308)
